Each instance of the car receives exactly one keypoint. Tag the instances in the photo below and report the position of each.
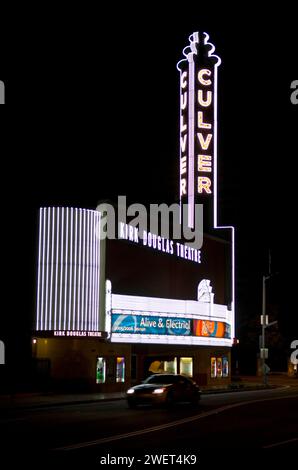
(166, 389)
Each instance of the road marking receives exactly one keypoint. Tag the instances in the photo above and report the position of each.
(281, 443)
(280, 388)
(161, 427)
(11, 420)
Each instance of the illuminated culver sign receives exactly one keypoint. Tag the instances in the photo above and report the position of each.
(198, 109)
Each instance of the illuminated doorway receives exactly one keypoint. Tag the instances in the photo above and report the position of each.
(120, 370)
(186, 366)
(100, 370)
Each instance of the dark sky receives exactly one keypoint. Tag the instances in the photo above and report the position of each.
(92, 113)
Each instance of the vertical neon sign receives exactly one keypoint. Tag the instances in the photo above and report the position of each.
(198, 137)
(198, 126)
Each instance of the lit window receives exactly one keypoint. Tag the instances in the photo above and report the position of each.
(219, 367)
(171, 366)
(186, 366)
(213, 367)
(225, 367)
(120, 370)
(101, 370)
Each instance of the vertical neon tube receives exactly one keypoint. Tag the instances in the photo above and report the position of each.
(87, 325)
(66, 271)
(47, 268)
(93, 273)
(43, 269)
(95, 270)
(98, 271)
(75, 287)
(90, 274)
(39, 267)
(79, 271)
(97, 246)
(57, 262)
(215, 149)
(61, 268)
(191, 140)
(51, 310)
(70, 268)
(83, 271)
(180, 150)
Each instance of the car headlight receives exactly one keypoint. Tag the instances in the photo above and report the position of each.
(130, 391)
(159, 391)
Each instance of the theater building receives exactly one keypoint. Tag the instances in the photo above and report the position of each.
(110, 312)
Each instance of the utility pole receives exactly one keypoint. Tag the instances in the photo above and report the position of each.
(265, 323)
(2, 93)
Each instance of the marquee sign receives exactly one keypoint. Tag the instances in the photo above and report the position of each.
(198, 126)
(141, 324)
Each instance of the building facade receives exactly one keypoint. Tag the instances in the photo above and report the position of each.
(110, 312)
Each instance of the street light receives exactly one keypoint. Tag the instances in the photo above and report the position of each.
(265, 324)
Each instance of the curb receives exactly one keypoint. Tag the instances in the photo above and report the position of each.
(10, 405)
(16, 406)
(240, 389)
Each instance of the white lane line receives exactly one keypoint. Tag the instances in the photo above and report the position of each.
(161, 427)
(281, 443)
(280, 388)
(11, 420)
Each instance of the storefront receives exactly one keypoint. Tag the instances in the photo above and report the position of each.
(188, 332)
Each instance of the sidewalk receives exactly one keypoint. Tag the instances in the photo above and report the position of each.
(246, 383)
(39, 400)
(36, 400)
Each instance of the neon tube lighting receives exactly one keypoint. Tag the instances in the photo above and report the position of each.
(68, 274)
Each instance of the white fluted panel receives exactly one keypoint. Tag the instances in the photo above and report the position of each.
(68, 275)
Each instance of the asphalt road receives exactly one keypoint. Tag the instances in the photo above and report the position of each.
(252, 421)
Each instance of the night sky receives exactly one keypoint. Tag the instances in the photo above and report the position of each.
(93, 113)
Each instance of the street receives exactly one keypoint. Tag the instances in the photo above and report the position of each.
(248, 420)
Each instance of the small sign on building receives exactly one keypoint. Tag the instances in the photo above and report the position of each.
(264, 353)
(2, 93)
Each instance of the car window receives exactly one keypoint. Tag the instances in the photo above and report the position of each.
(161, 379)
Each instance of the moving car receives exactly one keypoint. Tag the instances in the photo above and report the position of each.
(164, 389)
